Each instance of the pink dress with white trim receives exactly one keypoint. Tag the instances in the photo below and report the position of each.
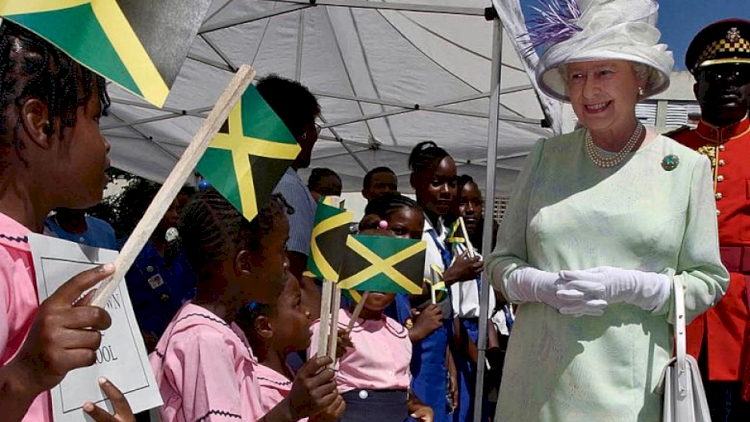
(205, 370)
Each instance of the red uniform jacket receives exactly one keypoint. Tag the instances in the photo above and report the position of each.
(725, 327)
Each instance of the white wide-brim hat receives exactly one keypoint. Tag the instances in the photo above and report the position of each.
(609, 30)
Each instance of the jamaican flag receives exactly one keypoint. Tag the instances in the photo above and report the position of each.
(249, 154)
(329, 233)
(138, 44)
(455, 233)
(383, 264)
(439, 284)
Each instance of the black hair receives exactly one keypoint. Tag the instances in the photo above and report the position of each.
(246, 317)
(30, 67)
(426, 156)
(317, 174)
(384, 206)
(295, 105)
(368, 177)
(463, 180)
(213, 230)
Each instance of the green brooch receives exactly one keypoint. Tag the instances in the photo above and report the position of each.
(670, 162)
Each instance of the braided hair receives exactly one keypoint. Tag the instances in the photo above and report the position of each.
(212, 230)
(30, 67)
(426, 156)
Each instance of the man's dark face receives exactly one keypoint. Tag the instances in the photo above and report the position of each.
(306, 142)
(723, 92)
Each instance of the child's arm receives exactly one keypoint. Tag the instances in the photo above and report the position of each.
(62, 337)
(313, 390)
(419, 410)
(453, 374)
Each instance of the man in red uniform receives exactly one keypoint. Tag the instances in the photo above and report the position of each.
(719, 59)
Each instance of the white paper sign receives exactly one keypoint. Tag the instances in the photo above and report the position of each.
(121, 358)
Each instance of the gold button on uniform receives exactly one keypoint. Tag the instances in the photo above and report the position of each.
(721, 162)
(718, 213)
(719, 196)
(720, 178)
(722, 148)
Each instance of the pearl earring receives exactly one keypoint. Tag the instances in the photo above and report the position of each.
(640, 91)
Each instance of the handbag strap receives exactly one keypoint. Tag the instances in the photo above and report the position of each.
(680, 338)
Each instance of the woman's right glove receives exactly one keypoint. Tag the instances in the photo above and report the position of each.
(527, 284)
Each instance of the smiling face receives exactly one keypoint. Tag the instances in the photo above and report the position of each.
(604, 93)
(436, 190)
(723, 92)
(470, 206)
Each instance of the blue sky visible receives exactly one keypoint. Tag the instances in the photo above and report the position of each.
(680, 20)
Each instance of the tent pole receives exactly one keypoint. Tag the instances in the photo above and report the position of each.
(489, 200)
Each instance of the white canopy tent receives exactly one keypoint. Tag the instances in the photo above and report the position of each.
(387, 74)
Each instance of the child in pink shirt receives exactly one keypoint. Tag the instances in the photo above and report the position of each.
(53, 156)
(274, 332)
(373, 374)
(202, 363)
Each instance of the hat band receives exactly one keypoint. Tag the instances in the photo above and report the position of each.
(723, 61)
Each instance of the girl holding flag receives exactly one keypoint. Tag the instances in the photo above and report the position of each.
(53, 156)
(434, 179)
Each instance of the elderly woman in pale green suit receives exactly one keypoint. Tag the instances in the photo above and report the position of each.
(600, 224)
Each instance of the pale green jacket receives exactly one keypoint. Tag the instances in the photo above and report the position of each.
(565, 213)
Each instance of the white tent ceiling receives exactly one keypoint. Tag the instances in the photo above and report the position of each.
(387, 77)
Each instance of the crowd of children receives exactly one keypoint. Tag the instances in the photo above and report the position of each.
(223, 346)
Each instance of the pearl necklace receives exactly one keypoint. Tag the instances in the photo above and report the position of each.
(607, 162)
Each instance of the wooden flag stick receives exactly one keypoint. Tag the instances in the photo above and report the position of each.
(432, 285)
(469, 247)
(333, 337)
(176, 180)
(357, 311)
(325, 318)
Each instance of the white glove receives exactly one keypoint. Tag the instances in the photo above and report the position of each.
(648, 291)
(527, 284)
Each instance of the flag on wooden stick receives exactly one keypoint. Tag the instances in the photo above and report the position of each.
(330, 229)
(137, 44)
(248, 156)
(383, 264)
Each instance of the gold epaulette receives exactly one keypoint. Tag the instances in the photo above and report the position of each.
(672, 133)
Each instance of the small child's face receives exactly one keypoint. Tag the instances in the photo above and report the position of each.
(406, 223)
(377, 301)
(84, 156)
(291, 321)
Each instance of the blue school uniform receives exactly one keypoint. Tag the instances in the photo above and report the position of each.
(98, 234)
(158, 290)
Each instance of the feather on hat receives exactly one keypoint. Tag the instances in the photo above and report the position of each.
(589, 30)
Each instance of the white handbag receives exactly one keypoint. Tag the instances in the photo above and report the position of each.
(680, 383)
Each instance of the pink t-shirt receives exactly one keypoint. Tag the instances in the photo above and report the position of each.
(380, 358)
(19, 301)
(205, 370)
